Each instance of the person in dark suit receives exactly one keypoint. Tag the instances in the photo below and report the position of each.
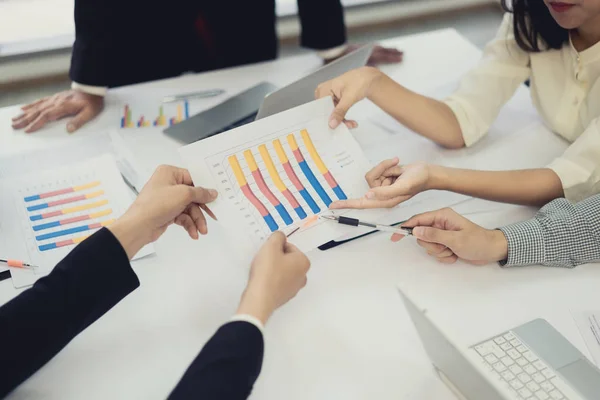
(125, 42)
(97, 274)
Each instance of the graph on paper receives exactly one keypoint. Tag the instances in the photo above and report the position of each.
(68, 215)
(281, 182)
(279, 174)
(165, 115)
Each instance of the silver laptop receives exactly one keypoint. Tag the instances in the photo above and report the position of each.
(532, 361)
(263, 100)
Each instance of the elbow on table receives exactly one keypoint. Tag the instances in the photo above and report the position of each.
(453, 143)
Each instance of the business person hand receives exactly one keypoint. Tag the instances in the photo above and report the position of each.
(168, 197)
(391, 184)
(277, 274)
(449, 236)
(347, 90)
(81, 106)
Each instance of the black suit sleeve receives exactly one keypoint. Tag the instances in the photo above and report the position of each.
(42, 320)
(322, 24)
(227, 366)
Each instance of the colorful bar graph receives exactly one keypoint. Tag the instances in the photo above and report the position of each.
(291, 174)
(65, 201)
(243, 184)
(62, 191)
(307, 171)
(321, 165)
(63, 243)
(266, 157)
(161, 119)
(262, 186)
(76, 229)
(69, 210)
(72, 220)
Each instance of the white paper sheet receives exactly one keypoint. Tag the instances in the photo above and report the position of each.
(30, 228)
(212, 163)
(588, 323)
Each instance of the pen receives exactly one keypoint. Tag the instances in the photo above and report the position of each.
(379, 227)
(128, 183)
(204, 94)
(18, 264)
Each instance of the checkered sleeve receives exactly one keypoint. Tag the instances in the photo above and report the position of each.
(562, 234)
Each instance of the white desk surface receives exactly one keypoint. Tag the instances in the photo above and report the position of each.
(346, 336)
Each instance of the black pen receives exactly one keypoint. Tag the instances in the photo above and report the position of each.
(379, 227)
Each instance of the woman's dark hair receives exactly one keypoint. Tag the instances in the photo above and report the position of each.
(532, 22)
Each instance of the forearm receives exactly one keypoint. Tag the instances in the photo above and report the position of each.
(41, 321)
(430, 118)
(561, 234)
(227, 366)
(527, 187)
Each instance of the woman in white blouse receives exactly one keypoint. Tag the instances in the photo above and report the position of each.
(554, 44)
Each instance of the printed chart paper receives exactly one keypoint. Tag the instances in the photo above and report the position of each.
(281, 173)
(47, 214)
(588, 323)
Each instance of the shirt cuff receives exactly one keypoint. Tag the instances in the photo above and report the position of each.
(251, 320)
(335, 52)
(574, 178)
(525, 244)
(95, 90)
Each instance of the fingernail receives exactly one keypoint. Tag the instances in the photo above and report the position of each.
(333, 123)
(70, 128)
(418, 231)
(396, 237)
(370, 195)
(213, 193)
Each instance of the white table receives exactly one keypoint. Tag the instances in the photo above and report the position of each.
(345, 336)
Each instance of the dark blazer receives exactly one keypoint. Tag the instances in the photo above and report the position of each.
(94, 277)
(122, 42)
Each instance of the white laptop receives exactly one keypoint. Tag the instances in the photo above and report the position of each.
(532, 361)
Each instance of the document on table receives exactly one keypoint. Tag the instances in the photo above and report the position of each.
(588, 323)
(281, 173)
(45, 214)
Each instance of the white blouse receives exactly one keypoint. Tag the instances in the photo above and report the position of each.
(565, 89)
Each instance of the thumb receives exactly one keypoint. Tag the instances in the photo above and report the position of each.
(201, 195)
(277, 240)
(434, 235)
(85, 115)
(339, 113)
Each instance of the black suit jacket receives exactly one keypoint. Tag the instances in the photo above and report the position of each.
(94, 277)
(122, 42)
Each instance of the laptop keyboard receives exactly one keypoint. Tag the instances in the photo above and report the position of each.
(517, 366)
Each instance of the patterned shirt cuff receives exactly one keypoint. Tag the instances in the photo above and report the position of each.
(525, 244)
(251, 320)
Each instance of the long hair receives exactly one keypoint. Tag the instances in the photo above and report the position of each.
(534, 27)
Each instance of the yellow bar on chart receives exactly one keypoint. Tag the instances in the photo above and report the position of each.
(237, 170)
(250, 160)
(179, 113)
(271, 168)
(100, 214)
(84, 207)
(86, 186)
(313, 152)
(94, 194)
(292, 142)
(280, 152)
(80, 239)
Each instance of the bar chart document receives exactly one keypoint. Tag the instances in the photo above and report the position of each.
(280, 173)
(46, 214)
